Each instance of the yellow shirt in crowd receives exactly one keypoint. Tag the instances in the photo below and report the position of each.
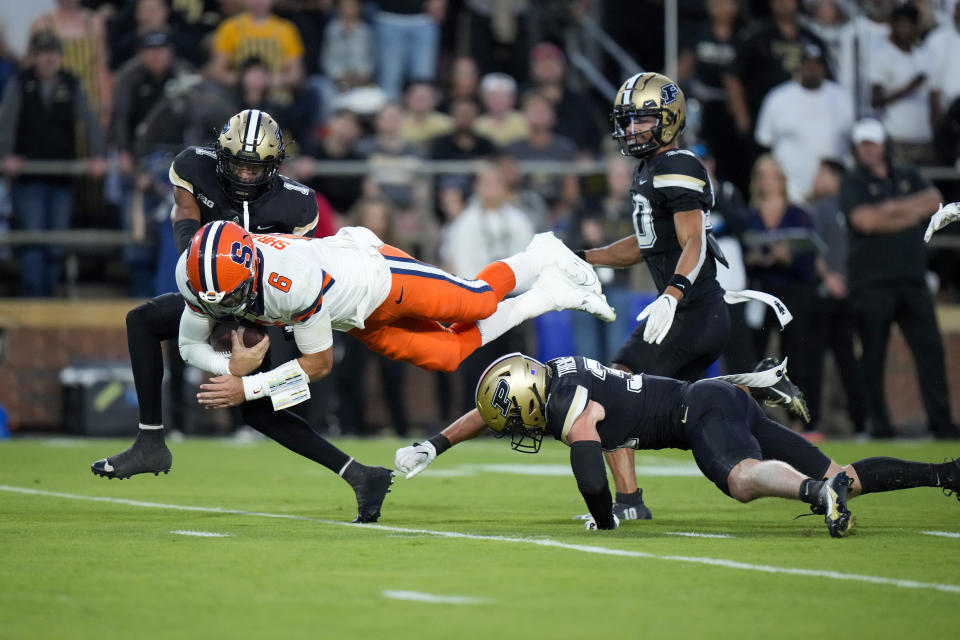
(275, 40)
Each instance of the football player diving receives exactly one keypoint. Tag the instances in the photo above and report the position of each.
(684, 330)
(592, 408)
(399, 307)
(235, 179)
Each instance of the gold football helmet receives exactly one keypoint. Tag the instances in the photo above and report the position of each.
(645, 95)
(249, 152)
(511, 398)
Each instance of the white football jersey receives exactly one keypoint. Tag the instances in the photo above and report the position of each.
(313, 284)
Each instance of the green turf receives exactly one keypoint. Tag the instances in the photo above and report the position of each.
(82, 569)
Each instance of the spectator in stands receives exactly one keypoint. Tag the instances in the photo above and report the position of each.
(944, 47)
(463, 82)
(500, 122)
(887, 206)
(576, 115)
(339, 142)
(560, 192)
(408, 38)
(390, 157)
(254, 91)
(463, 143)
(700, 69)
(489, 228)
(781, 267)
(421, 120)
(500, 35)
(597, 223)
(349, 48)
(804, 120)
(375, 214)
(258, 33)
(833, 320)
(8, 62)
(521, 195)
(84, 42)
(768, 54)
(126, 32)
(41, 114)
(140, 86)
(900, 90)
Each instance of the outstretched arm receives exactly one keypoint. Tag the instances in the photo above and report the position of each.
(417, 457)
(586, 460)
(622, 253)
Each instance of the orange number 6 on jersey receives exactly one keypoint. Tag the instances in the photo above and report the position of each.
(279, 282)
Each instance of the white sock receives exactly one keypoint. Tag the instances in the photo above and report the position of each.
(151, 427)
(511, 312)
(526, 268)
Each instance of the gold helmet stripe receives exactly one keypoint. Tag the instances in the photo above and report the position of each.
(628, 88)
(253, 126)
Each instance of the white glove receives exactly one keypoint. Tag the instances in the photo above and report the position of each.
(944, 216)
(414, 459)
(591, 524)
(659, 315)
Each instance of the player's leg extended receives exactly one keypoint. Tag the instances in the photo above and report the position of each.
(147, 326)
(424, 343)
(879, 474)
(370, 484)
(421, 290)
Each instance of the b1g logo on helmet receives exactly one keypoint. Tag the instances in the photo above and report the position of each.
(241, 254)
(669, 93)
(501, 398)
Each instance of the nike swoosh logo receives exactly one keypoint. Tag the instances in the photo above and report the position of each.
(685, 412)
(401, 295)
(261, 227)
(642, 182)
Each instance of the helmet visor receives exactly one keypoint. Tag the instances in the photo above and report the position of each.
(247, 171)
(224, 305)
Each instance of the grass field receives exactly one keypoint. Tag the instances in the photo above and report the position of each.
(84, 557)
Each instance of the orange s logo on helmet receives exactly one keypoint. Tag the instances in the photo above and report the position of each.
(220, 267)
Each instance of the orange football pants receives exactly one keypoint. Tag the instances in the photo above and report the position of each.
(411, 324)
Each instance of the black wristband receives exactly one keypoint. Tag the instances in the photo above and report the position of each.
(680, 282)
(581, 253)
(440, 443)
(183, 230)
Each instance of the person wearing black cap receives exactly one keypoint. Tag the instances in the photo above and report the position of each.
(887, 206)
(42, 110)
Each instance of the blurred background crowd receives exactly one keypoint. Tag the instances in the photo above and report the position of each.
(456, 129)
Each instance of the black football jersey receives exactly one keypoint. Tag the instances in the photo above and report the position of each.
(662, 186)
(287, 207)
(642, 411)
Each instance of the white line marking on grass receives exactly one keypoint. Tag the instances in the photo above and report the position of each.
(430, 597)
(540, 542)
(200, 534)
(942, 534)
(694, 534)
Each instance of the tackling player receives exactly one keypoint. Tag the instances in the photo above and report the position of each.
(235, 179)
(686, 328)
(398, 306)
(592, 408)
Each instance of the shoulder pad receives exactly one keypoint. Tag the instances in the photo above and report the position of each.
(681, 168)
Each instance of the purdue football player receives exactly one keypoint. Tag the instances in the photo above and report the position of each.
(686, 328)
(236, 179)
(592, 408)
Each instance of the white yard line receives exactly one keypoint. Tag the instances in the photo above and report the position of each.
(694, 534)
(434, 598)
(540, 542)
(200, 534)
(942, 534)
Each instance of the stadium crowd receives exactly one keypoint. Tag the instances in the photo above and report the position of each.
(786, 100)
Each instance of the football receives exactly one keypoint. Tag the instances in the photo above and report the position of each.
(250, 335)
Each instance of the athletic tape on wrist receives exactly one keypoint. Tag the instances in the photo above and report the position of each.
(287, 385)
(254, 387)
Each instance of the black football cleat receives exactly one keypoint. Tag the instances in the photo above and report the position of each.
(371, 484)
(147, 454)
(832, 504)
(783, 394)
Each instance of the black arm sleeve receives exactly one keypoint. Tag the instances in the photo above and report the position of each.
(183, 230)
(586, 459)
